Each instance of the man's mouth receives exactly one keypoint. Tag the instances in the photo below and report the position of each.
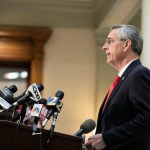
(107, 54)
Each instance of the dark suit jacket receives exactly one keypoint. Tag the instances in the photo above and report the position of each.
(125, 122)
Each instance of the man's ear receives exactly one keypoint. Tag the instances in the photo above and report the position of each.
(127, 45)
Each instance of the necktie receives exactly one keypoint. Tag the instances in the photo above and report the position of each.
(110, 90)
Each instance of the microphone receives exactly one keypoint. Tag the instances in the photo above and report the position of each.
(33, 92)
(6, 96)
(39, 112)
(54, 121)
(86, 127)
(51, 130)
(54, 104)
(28, 119)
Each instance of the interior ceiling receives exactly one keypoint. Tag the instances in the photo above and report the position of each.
(62, 13)
(73, 13)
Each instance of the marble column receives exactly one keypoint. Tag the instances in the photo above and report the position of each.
(145, 58)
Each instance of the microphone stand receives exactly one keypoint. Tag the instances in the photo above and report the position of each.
(23, 112)
(51, 131)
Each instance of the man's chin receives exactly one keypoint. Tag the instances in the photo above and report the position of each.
(108, 62)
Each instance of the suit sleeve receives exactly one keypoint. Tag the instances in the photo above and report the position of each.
(139, 125)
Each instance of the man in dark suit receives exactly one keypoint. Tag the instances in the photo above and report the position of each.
(124, 117)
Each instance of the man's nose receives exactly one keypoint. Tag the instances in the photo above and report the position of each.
(104, 47)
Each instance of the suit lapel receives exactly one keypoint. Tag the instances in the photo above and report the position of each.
(123, 77)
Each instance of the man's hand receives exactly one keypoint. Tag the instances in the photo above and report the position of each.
(96, 142)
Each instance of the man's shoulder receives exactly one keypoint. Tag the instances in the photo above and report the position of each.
(140, 70)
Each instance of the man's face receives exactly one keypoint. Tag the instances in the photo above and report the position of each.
(114, 48)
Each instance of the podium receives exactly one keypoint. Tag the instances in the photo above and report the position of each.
(14, 136)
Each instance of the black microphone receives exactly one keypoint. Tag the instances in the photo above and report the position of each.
(32, 92)
(6, 96)
(86, 127)
(54, 104)
(51, 130)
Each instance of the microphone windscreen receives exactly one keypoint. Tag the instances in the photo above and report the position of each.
(59, 94)
(43, 101)
(13, 88)
(88, 125)
(40, 87)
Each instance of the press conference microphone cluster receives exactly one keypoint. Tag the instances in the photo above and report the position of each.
(42, 112)
(86, 127)
(31, 105)
(9, 103)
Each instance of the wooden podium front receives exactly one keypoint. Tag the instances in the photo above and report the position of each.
(19, 137)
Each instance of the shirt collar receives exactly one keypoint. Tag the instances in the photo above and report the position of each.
(124, 68)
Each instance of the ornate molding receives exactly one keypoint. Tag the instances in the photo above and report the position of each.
(24, 44)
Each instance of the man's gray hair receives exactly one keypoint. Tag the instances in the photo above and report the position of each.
(132, 33)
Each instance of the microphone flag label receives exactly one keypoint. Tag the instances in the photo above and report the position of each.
(4, 103)
(52, 101)
(39, 110)
(33, 89)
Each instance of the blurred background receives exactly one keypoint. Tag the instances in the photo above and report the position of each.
(58, 43)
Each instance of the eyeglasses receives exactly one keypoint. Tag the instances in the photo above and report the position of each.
(110, 40)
